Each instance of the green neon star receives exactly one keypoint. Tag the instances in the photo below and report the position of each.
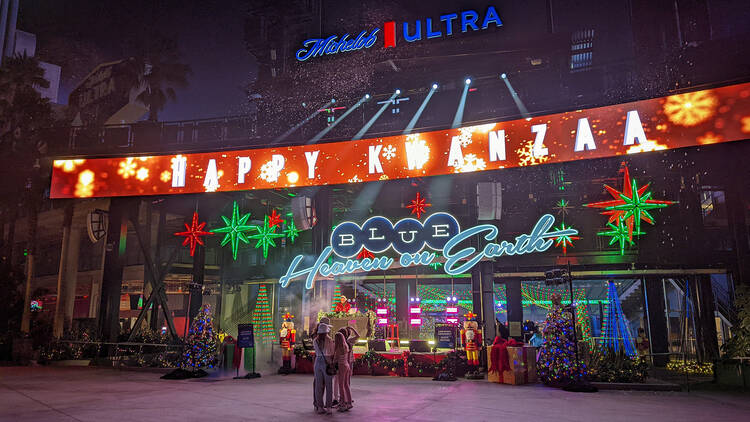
(235, 229)
(563, 207)
(620, 233)
(291, 231)
(435, 264)
(636, 207)
(564, 240)
(265, 237)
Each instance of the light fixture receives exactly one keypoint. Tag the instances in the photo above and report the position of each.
(468, 81)
(367, 96)
(503, 75)
(398, 91)
(434, 86)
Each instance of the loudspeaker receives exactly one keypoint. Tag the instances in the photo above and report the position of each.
(489, 200)
(303, 212)
(377, 345)
(419, 346)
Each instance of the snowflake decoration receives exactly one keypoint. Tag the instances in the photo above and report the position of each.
(710, 138)
(646, 146)
(165, 176)
(364, 253)
(275, 219)
(471, 163)
(464, 136)
(291, 231)
(235, 229)
(269, 172)
(564, 240)
(85, 185)
(142, 174)
(690, 109)
(68, 166)
(193, 234)
(620, 234)
(526, 155)
(126, 168)
(418, 205)
(389, 152)
(265, 236)
(631, 205)
(383, 177)
(563, 207)
(355, 179)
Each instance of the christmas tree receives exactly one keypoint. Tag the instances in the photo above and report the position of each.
(262, 321)
(615, 326)
(558, 365)
(201, 345)
(336, 297)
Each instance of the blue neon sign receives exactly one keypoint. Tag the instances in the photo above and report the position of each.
(409, 237)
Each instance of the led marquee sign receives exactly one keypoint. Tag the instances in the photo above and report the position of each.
(416, 244)
(683, 120)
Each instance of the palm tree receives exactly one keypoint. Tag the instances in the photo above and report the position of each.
(159, 71)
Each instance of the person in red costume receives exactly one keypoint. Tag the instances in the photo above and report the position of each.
(287, 336)
(471, 338)
(343, 305)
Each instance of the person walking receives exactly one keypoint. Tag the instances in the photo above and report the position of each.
(324, 349)
(341, 356)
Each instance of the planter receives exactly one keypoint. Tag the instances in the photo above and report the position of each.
(71, 362)
(735, 373)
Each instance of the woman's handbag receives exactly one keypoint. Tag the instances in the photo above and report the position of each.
(332, 368)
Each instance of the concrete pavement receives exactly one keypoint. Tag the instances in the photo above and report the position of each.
(92, 394)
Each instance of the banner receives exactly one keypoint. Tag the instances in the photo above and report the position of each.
(684, 120)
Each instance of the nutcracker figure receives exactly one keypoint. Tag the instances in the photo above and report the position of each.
(471, 338)
(287, 337)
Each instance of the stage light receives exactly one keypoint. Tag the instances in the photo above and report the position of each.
(459, 117)
(468, 81)
(434, 86)
(377, 114)
(503, 75)
(398, 91)
(333, 101)
(367, 96)
(327, 129)
(415, 118)
(302, 123)
(515, 97)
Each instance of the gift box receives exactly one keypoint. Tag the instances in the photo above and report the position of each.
(493, 374)
(516, 358)
(514, 377)
(530, 353)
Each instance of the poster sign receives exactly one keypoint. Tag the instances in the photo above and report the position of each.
(445, 336)
(245, 336)
(684, 120)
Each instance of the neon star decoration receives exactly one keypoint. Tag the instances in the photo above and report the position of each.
(235, 229)
(418, 205)
(632, 205)
(563, 207)
(193, 234)
(620, 234)
(291, 231)
(265, 237)
(274, 219)
(565, 240)
(364, 253)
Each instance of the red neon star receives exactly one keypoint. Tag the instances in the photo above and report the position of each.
(274, 219)
(193, 234)
(364, 253)
(418, 205)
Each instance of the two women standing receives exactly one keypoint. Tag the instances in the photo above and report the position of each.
(328, 353)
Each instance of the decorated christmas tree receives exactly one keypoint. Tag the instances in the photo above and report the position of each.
(201, 345)
(336, 297)
(262, 320)
(557, 364)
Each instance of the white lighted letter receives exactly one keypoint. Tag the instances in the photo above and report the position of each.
(584, 138)
(440, 230)
(497, 145)
(374, 153)
(539, 149)
(244, 164)
(278, 164)
(346, 239)
(417, 154)
(311, 157)
(411, 232)
(455, 155)
(211, 181)
(179, 166)
(373, 236)
(633, 129)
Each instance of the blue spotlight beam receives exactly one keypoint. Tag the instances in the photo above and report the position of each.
(458, 119)
(302, 123)
(516, 99)
(372, 120)
(323, 132)
(418, 114)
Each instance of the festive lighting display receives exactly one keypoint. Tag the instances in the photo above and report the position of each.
(541, 296)
(193, 234)
(364, 253)
(562, 208)
(265, 237)
(202, 342)
(418, 205)
(690, 109)
(565, 240)
(262, 319)
(620, 234)
(616, 331)
(275, 219)
(557, 365)
(336, 297)
(235, 229)
(291, 232)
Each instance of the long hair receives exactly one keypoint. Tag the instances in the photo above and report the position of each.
(340, 343)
